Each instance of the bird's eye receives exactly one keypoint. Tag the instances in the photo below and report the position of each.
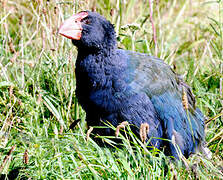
(86, 21)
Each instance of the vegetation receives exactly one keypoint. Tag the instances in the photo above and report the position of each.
(37, 87)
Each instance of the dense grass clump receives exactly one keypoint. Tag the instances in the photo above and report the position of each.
(37, 88)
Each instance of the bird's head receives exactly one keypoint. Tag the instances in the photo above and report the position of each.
(89, 31)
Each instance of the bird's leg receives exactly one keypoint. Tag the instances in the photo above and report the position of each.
(206, 152)
(181, 156)
(120, 126)
(144, 130)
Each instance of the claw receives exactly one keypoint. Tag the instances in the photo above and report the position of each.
(120, 126)
(144, 130)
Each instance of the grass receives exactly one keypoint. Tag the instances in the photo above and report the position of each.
(37, 88)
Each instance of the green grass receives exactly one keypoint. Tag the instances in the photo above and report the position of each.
(37, 87)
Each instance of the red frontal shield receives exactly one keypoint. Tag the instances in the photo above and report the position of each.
(71, 28)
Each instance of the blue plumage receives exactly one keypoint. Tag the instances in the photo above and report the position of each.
(117, 85)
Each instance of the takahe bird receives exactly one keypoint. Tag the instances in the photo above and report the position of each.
(115, 85)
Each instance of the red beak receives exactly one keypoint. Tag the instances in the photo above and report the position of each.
(71, 28)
